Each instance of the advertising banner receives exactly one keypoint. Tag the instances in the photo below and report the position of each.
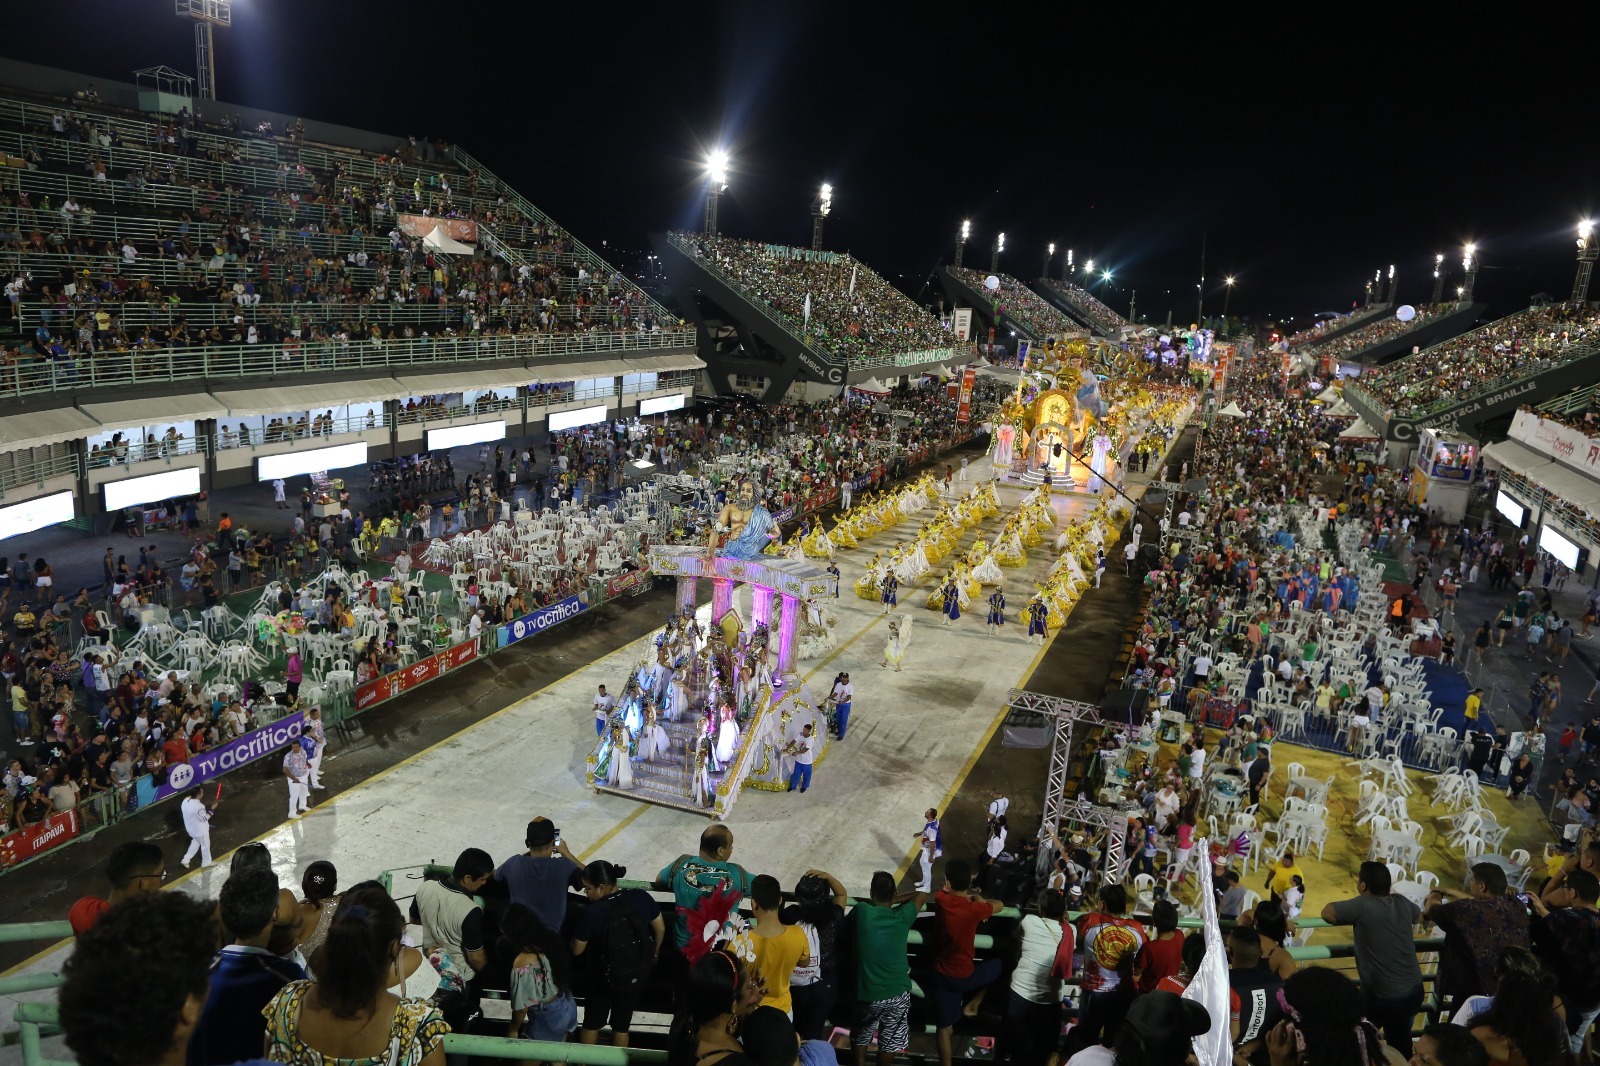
(634, 581)
(459, 655)
(1560, 442)
(963, 322)
(964, 409)
(373, 692)
(457, 229)
(39, 838)
(202, 767)
(418, 673)
(544, 618)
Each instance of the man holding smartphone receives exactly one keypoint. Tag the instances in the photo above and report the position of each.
(540, 877)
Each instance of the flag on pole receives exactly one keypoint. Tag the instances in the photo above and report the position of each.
(1209, 987)
(852, 281)
(808, 309)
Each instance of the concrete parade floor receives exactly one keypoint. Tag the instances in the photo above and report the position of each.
(914, 737)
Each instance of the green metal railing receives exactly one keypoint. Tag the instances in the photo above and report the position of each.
(20, 472)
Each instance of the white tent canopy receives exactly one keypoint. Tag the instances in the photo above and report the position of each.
(1359, 430)
(440, 241)
(1233, 410)
(870, 385)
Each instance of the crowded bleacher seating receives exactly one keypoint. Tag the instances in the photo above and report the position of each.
(1492, 355)
(1101, 317)
(855, 313)
(1384, 329)
(1022, 305)
(1318, 332)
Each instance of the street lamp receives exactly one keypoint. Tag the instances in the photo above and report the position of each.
(961, 241)
(1438, 277)
(1050, 253)
(1587, 252)
(819, 211)
(994, 256)
(716, 181)
(1469, 262)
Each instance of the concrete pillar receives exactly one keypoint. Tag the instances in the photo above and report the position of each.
(721, 597)
(761, 606)
(787, 627)
(686, 593)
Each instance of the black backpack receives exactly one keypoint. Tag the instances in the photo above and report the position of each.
(630, 947)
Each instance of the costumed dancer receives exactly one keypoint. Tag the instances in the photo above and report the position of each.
(1038, 616)
(890, 586)
(952, 601)
(997, 609)
(894, 650)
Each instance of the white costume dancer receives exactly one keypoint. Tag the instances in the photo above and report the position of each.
(988, 572)
(894, 651)
(727, 737)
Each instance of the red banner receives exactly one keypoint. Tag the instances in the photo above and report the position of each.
(460, 655)
(373, 692)
(633, 581)
(457, 229)
(37, 839)
(964, 410)
(418, 673)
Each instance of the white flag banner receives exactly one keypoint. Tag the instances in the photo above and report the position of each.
(852, 281)
(808, 309)
(1209, 987)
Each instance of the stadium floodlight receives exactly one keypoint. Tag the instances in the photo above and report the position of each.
(819, 211)
(1469, 263)
(1438, 277)
(1067, 268)
(961, 240)
(1227, 293)
(716, 182)
(994, 256)
(1587, 253)
(1049, 254)
(1106, 277)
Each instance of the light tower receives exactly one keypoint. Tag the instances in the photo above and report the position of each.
(1049, 254)
(1227, 294)
(1438, 278)
(716, 182)
(961, 240)
(1066, 269)
(1391, 283)
(819, 211)
(1587, 252)
(1469, 263)
(994, 256)
(206, 14)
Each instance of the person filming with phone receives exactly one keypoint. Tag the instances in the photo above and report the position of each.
(1477, 924)
(540, 877)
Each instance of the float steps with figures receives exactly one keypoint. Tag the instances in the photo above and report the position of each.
(666, 781)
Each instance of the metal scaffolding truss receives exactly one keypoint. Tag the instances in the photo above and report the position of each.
(1063, 715)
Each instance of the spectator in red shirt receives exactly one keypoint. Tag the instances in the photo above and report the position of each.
(133, 867)
(175, 748)
(959, 909)
(1163, 956)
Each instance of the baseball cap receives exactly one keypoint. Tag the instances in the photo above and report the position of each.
(1160, 1019)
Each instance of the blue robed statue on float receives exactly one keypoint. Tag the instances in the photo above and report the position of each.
(745, 526)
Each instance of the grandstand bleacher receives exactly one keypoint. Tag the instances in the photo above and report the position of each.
(1019, 306)
(1085, 308)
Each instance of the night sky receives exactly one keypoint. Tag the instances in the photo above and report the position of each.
(1307, 154)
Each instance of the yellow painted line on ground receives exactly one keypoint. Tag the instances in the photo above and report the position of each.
(972, 760)
(605, 838)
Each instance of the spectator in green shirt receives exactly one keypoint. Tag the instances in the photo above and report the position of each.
(691, 877)
(883, 976)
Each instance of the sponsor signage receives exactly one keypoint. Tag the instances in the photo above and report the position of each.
(633, 581)
(964, 409)
(542, 619)
(37, 839)
(206, 765)
(387, 686)
(1559, 442)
